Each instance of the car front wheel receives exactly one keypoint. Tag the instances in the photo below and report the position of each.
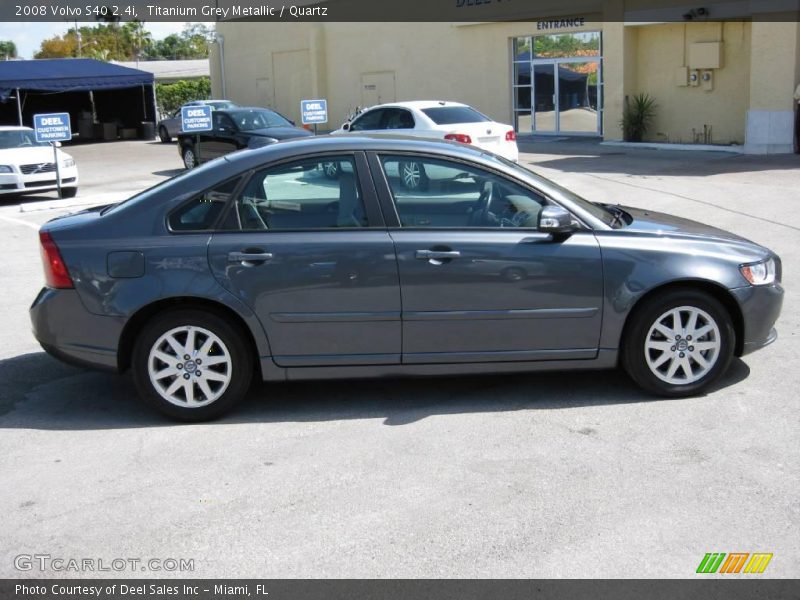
(163, 135)
(191, 365)
(189, 158)
(69, 192)
(679, 343)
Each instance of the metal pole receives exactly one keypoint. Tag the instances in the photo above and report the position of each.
(58, 168)
(221, 44)
(198, 149)
(19, 108)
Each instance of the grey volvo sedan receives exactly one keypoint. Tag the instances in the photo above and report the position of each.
(258, 264)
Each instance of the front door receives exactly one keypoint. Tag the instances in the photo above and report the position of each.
(309, 256)
(478, 281)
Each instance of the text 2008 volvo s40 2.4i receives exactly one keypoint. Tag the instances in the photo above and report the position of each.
(259, 265)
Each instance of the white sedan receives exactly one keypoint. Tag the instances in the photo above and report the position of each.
(438, 119)
(27, 166)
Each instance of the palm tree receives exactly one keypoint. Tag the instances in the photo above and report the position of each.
(8, 49)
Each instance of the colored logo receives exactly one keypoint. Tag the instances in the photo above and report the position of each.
(735, 562)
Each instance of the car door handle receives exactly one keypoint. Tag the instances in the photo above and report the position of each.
(437, 254)
(236, 257)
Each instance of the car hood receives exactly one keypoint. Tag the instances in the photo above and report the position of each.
(648, 221)
(279, 133)
(29, 155)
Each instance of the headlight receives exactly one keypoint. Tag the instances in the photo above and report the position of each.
(760, 273)
(68, 162)
(6, 169)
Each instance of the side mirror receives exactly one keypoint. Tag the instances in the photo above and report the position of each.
(555, 219)
(346, 126)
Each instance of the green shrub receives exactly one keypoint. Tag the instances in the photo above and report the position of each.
(637, 116)
(171, 96)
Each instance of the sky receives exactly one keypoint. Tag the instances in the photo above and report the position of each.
(28, 36)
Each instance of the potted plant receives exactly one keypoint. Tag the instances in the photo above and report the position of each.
(637, 116)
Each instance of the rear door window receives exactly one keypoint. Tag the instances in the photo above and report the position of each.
(300, 196)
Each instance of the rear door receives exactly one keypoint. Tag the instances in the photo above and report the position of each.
(311, 256)
(478, 281)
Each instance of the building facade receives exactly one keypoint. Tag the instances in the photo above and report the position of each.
(727, 81)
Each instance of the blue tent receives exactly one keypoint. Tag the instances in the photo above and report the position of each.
(67, 75)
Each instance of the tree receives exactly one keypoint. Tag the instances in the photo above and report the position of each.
(192, 42)
(8, 49)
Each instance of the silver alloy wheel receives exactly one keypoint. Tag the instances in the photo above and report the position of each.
(683, 345)
(189, 366)
(188, 159)
(331, 169)
(411, 174)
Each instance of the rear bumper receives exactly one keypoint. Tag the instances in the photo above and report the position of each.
(761, 307)
(67, 331)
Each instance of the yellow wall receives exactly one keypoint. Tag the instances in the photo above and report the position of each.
(660, 49)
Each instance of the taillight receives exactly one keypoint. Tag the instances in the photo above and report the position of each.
(511, 136)
(459, 137)
(55, 271)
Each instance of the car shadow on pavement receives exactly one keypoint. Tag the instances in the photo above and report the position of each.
(39, 392)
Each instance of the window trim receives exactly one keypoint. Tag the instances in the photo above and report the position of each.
(389, 207)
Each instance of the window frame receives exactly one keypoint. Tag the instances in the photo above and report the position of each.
(389, 206)
(220, 217)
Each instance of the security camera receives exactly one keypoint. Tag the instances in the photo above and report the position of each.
(701, 12)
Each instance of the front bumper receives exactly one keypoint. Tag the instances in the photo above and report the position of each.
(66, 330)
(761, 307)
(17, 183)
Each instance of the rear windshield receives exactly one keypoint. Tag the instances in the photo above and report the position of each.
(449, 115)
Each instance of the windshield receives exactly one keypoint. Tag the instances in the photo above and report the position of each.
(18, 138)
(450, 115)
(247, 120)
(598, 211)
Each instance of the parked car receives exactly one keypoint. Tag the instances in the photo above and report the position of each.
(434, 119)
(258, 265)
(236, 129)
(28, 166)
(170, 127)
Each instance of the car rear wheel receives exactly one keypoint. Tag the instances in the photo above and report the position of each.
(163, 135)
(189, 158)
(679, 343)
(413, 176)
(191, 365)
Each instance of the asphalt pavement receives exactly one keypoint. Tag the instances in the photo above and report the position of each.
(542, 475)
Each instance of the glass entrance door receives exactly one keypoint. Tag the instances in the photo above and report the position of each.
(558, 84)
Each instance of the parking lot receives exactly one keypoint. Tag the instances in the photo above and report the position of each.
(542, 475)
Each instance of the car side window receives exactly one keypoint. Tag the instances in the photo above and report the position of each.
(301, 195)
(369, 120)
(430, 192)
(222, 121)
(202, 212)
(398, 118)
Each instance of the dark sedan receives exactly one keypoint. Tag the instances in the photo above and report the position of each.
(258, 265)
(236, 129)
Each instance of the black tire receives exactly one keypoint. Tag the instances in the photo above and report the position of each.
(69, 192)
(189, 157)
(163, 135)
(413, 176)
(238, 364)
(638, 333)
